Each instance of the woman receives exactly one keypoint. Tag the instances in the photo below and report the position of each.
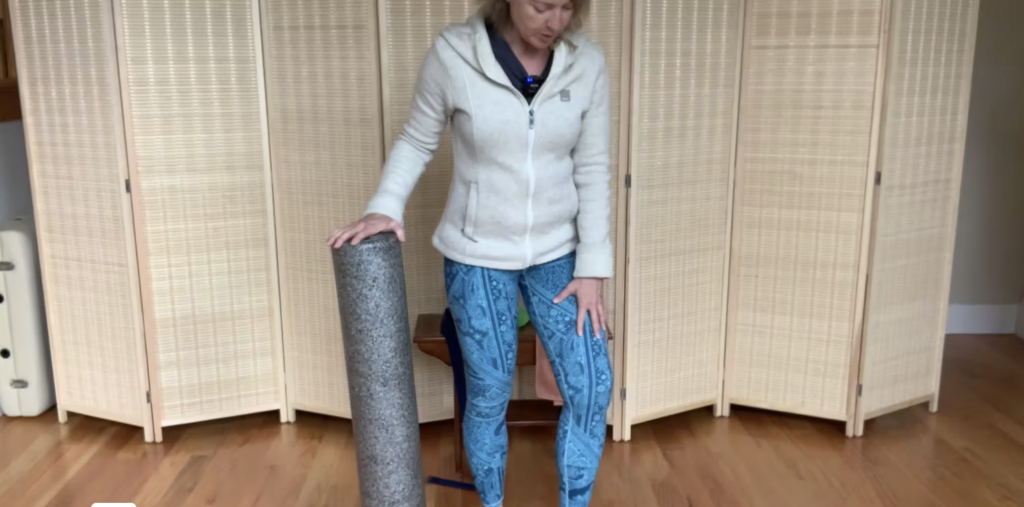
(528, 212)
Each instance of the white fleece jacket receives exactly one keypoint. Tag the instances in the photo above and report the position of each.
(531, 181)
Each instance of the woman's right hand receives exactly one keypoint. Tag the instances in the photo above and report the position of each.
(365, 227)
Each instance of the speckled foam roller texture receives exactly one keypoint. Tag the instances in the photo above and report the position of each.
(378, 358)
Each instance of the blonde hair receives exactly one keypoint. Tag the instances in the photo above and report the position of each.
(498, 12)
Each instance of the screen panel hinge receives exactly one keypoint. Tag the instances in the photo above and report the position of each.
(128, 185)
(149, 397)
(19, 384)
(860, 390)
(622, 394)
(629, 181)
(878, 177)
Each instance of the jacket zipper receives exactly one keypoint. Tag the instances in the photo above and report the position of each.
(530, 107)
(533, 182)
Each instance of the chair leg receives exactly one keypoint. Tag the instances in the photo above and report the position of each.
(460, 450)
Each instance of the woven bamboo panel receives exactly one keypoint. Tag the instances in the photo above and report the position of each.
(325, 125)
(525, 383)
(921, 161)
(69, 89)
(203, 186)
(605, 26)
(408, 29)
(683, 125)
(805, 132)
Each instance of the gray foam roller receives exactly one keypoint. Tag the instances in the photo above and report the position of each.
(378, 359)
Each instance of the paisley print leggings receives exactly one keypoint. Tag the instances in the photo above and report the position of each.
(484, 304)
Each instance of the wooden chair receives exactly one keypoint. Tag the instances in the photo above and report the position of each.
(428, 338)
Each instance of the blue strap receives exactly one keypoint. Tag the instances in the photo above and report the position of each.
(448, 483)
(451, 338)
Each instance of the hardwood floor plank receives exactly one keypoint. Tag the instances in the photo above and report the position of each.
(332, 479)
(180, 489)
(979, 437)
(942, 469)
(239, 469)
(839, 463)
(290, 459)
(180, 470)
(110, 460)
(438, 451)
(24, 443)
(42, 481)
(700, 474)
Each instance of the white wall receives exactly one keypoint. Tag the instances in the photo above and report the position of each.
(988, 268)
(15, 192)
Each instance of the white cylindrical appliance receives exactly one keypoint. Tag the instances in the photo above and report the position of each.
(26, 374)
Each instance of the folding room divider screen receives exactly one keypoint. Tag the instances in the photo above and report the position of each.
(785, 185)
(191, 85)
(803, 160)
(852, 126)
(927, 94)
(323, 96)
(685, 88)
(408, 29)
(70, 97)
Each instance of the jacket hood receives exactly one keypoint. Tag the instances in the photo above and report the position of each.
(470, 41)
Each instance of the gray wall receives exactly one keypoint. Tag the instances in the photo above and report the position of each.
(988, 267)
(1020, 320)
(15, 192)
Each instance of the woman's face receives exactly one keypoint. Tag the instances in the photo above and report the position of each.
(540, 22)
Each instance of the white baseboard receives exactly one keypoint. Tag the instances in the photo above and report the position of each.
(981, 319)
(1020, 320)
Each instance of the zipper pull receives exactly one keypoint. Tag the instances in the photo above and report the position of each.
(531, 119)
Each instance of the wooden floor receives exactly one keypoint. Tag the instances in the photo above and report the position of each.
(970, 454)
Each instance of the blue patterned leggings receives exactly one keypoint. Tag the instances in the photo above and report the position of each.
(484, 305)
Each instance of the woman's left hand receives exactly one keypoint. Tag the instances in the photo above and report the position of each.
(589, 294)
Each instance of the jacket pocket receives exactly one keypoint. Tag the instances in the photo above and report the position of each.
(469, 225)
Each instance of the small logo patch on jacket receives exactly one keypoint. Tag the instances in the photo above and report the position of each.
(566, 96)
